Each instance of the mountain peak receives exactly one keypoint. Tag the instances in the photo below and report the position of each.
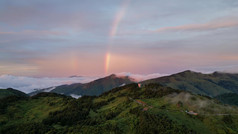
(112, 75)
(187, 71)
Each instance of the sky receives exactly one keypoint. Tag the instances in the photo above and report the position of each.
(59, 38)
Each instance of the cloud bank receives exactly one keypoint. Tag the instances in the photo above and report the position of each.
(141, 77)
(213, 25)
(28, 84)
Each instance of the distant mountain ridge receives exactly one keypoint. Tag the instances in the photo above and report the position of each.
(205, 84)
(211, 85)
(95, 87)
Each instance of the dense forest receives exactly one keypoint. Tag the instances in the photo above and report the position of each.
(228, 98)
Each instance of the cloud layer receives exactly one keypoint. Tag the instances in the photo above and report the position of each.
(29, 84)
(213, 25)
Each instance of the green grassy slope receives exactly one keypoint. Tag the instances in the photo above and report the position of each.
(205, 84)
(128, 109)
(10, 92)
(24, 111)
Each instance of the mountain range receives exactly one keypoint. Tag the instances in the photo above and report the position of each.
(152, 108)
(95, 87)
(186, 103)
(205, 84)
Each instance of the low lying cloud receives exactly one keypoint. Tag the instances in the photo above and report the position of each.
(141, 77)
(28, 84)
(75, 96)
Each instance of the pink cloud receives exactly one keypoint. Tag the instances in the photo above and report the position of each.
(212, 25)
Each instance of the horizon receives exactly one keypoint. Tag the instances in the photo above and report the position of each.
(99, 38)
(124, 74)
(29, 84)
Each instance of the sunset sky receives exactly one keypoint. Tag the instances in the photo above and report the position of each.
(57, 38)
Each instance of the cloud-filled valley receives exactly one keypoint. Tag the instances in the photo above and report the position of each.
(29, 84)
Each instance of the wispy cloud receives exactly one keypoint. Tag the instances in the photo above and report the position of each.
(7, 33)
(34, 32)
(67, 38)
(212, 25)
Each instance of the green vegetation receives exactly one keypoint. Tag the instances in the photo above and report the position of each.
(228, 98)
(204, 84)
(128, 109)
(11, 92)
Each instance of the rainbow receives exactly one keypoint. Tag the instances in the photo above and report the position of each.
(120, 14)
(107, 62)
(116, 22)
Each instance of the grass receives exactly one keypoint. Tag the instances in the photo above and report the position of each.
(33, 110)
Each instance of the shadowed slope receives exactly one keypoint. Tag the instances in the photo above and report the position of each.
(96, 87)
(11, 92)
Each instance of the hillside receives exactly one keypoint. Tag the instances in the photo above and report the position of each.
(206, 84)
(127, 109)
(228, 98)
(11, 92)
(96, 87)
